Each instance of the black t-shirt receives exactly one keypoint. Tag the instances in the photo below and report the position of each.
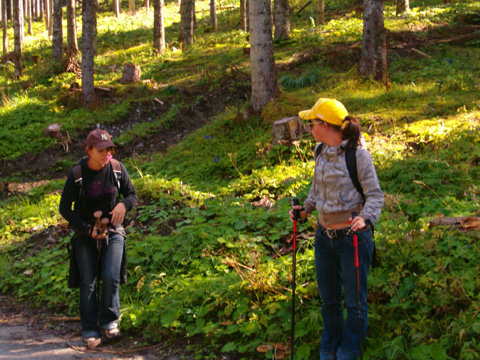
(99, 193)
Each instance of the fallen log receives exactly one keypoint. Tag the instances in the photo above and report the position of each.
(463, 223)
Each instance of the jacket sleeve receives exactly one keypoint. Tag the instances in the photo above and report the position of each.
(127, 190)
(69, 196)
(367, 176)
(310, 204)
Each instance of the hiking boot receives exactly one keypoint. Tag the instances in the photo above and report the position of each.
(92, 342)
(112, 333)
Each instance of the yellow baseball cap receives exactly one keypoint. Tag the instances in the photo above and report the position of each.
(329, 110)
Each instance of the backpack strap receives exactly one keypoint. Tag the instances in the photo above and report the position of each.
(351, 159)
(117, 172)
(80, 199)
(318, 150)
(77, 174)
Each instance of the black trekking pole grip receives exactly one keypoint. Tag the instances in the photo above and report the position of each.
(354, 215)
(296, 213)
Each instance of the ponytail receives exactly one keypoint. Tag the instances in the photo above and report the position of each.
(351, 131)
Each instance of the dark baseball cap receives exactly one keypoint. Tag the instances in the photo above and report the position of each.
(99, 139)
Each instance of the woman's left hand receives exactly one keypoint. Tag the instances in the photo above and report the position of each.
(118, 213)
(357, 223)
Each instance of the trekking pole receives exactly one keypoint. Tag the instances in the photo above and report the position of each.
(357, 270)
(296, 216)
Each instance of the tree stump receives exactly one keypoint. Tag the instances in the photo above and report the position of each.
(131, 74)
(288, 130)
(53, 131)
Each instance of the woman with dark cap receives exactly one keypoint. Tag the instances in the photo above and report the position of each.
(101, 188)
(335, 197)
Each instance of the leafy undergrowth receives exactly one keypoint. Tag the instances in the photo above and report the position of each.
(209, 254)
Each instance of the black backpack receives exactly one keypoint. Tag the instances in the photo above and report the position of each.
(351, 160)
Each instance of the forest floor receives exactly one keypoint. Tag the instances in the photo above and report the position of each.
(37, 334)
(34, 334)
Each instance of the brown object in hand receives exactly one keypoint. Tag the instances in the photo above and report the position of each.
(100, 225)
(97, 215)
(104, 224)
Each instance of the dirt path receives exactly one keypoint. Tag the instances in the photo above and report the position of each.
(33, 335)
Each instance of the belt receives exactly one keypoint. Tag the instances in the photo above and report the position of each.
(333, 234)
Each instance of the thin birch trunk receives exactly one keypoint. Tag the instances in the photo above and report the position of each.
(116, 8)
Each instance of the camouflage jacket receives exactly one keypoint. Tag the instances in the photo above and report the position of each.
(332, 192)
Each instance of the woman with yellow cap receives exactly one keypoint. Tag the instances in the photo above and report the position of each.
(335, 197)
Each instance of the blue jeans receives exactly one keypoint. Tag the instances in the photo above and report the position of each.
(335, 268)
(106, 314)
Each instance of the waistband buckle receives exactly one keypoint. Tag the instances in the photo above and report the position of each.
(331, 233)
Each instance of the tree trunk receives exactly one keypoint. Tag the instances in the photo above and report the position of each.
(10, 9)
(47, 14)
(243, 15)
(29, 15)
(21, 7)
(213, 15)
(263, 72)
(42, 9)
(248, 15)
(374, 45)
(17, 13)
(402, 6)
(158, 26)
(95, 30)
(72, 44)
(57, 38)
(131, 6)
(187, 23)
(4, 23)
(116, 8)
(320, 12)
(50, 22)
(282, 19)
(146, 4)
(88, 52)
